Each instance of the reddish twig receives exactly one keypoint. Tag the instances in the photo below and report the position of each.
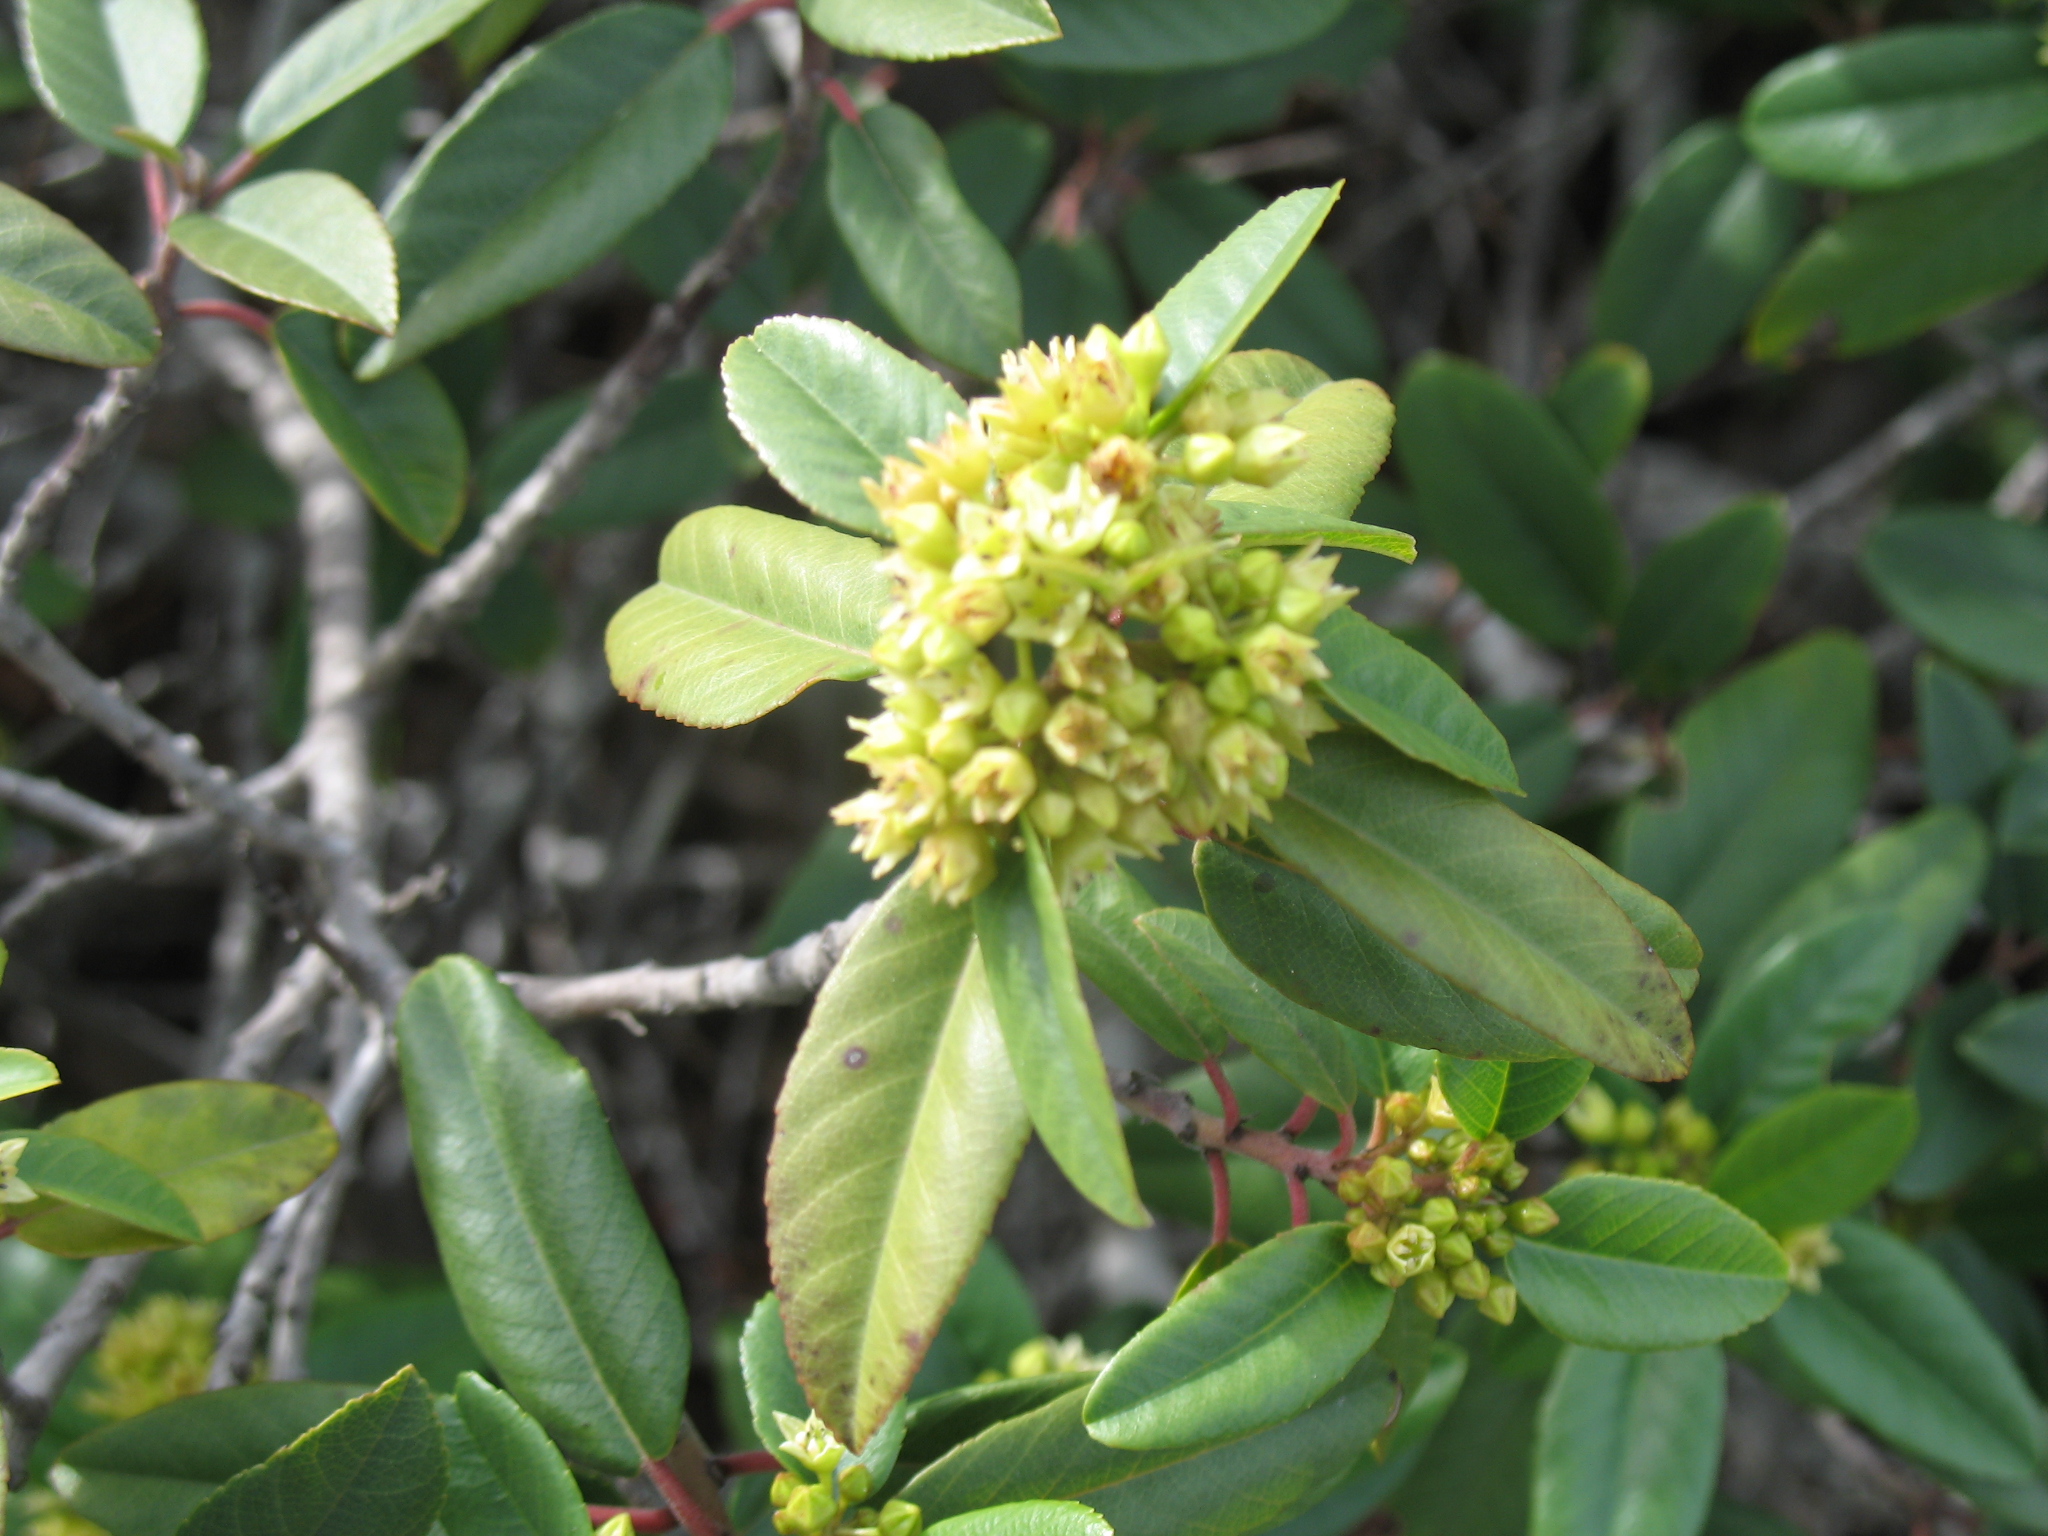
(740, 1463)
(833, 89)
(1219, 1198)
(232, 175)
(739, 15)
(156, 194)
(1303, 1117)
(642, 1519)
(1233, 1117)
(226, 309)
(1297, 1201)
(696, 1519)
(1347, 1134)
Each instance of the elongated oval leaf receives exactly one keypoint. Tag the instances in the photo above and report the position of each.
(1708, 222)
(1254, 1344)
(930, 29)
(62, 296)
(1601, 400)
(1030, 1517)
(24, 1072)
(1691, 611)
(105, 65)
(750, 610)
(769, 1376)
(346, 49)
(1036, 989)
(1516, 1098)
(823, 403)
(932, 263)
(1511, 499)
(1646, 1264)
(529, 1470)
(548, 165)
(2009, 1045)
(2023, 807)
(231, 1152)
(304, 238)
(1152, 35)
(1121, 960)
(1975, 586)
(1964, 1120)
(399, 436)
(1817, 1158)
(1892, 1342)
(1966, 742)
(898, 1126)
(560, 1278)
(85, 1174)
(1445, 871)
(1407, 700)
(1654, 918)
(376, 1468)
(1628, 1445)
(1906, 107)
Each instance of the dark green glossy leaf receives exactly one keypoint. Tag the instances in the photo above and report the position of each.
(1964, 1119)
(936, 1424)
(538, 1490)
(305, 238)
(1646, 1264)
(1627, 1444)
(1399, 694)
(91, 1177)
(1691, 611)
(1000, 162)
(62, 296)
(1179, 34)
(2023, 808)
(1473, 1477)
(824, 403)
(944, 277)
(102, 67)
(1127, 965)
(1975, 586)
(896, 1132)
(344, 51)
(772, 1385)
(1818, 1157)
(1255, 1344)
(1036, 989)
(1601, 400)
(1511, 499)
(561, 1279)
(24, 1072)
(2009, 1045)
(1966, 743)
(930, 29)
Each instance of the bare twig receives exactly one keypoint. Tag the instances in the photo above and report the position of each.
(784, 976)
(66, 1339)
(98, 426)
(47, 800)
(234, 1353)
(300, 989)
(1176, 1111)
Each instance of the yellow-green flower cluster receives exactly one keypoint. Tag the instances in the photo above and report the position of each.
(831, 1501)
(155, 1355)
(1154, 673)
(1428, 1208)
(1674, 1142)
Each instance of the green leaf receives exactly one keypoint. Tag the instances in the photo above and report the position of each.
(376, 1468)
(1036, 990)
(1899, 262)
(498, 209)
(772, 1386)
(483, 39)
(749, 610)
(1657, 921)
(91, 1177)
(1966, 743)
(1646, 1264)
(106, 65)
(1963, 1118)
(1411, 703)
(232, 1152)
(305, 238)
(1628, 1445)
(1179, 34)
(944, 277)
(2009, 1045)
(344, 51)
(823, 403)
(1909, 106)
(1601, 400)
(1692, 609)
(24, 1072)
(1511, 499)
(1776, 765)
(1254, 1344)
(1292, 932)
(938, 1423)
(899, 1124)
(1890, 1341)
(143, 1476)
(1975, 586)
(929, 29)
(1350, 426)
(1307, 1049)
(1215, 301)
(561, 1279)
(1001, 161)
(1469, 889)
(1230, 1489)
(1818, 1157)
(1516, 1098)
(2023, 808)
(62, 296)
(532, 1478)
(1030, 1517)
(399, 436)
(1070, 287)
(1707, 222)
(1129, 968)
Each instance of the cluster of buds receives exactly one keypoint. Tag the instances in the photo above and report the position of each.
(155, 1355)
(1047, 1356)
(1155, 673)
(831, 1501)
(1430, 1210)
(14, 1189)
(1675, 1142)
(1808, 1251)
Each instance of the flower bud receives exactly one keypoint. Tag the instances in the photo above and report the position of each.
(1495, 1153)
(1134, 703)
(1145, 352)
(1145, 829)
(14, 1189)
(1052, 813)
(855, 1484)
(1095, 660)
(1439, 1115)
(1433, 1293)
(1352, 1186)
(946, 646)
(1259, 574)
(1424, 1150)
(1127, 543)
(1191, 635)
(978, 609)
(1636, 1124)
(1019, 710)
(1368, 1242)
(1438, 1214)
(1388, 1274)
(996, 784)
(955, 862)
(900, 1518)
(1471, 1280)
(1082, 734)
(1404, 1110)
(913, 706)
(1531, 1218)
(1267, 454)
(1592, 1116)
(1144, 769)
(1499, 1303)
(1511, 1177)
(1098, 801)
(619, 1525)
(1280, 662)
(1228, 691)
(951, 743)
(1499, 1244)
(812, 1512)
(1298, 609)
(1411, 1247)
(924, 531)
(1453, 1249)
(1392, 1179)
(1470, 1186)
(1690, 1132)
(1184, 719)
(784, 1488)
(1207, 457)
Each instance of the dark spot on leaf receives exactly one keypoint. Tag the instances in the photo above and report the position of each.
(914, 1341)
(855, 1057)
(1412, 939)
(1263, 882)
(893, 922)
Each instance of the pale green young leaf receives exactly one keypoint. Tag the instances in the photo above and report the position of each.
(62, 296)
(947, 281)
(1255, 526)
(304, 238)
(1157, 35)
(499, 208)
(1516, 1098)
(344, 51)
(1975, 586)
(1029, 1517)
(518, 1170)
(747, 611)
(1818, 1157)
(107, 65)
(2009, 1045)
(1036, 989)
(1646, 1264)
(91, 1177)
(1400, 695)
(530, 1472)
(24, 1072)
(1349, 426)
(1628, 1444)
(1128, 967)
(1691, 611)
(898, 1127)
(930, 29)
(1966, 742)
(1601, 400)
(823, 403)
(1254, 1344)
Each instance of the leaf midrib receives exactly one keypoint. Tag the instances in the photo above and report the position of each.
(782, 626)
(968, 307)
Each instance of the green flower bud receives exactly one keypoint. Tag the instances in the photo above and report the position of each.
(1433, 1293)
(1411, 1247)
(1423, 1151)
(1228, 691)
(1267, 454)
(1259, 573)
(924, 531)
(784, 1488)
(1184, 719)
(1453, 1249)
(1470, 1186)
(1388, 1274)
(1368, 1242)
(945, 646)
(1392, 1179)
(1353, 1186)
(1499, 1244)
(996, 784)
(900, 1518)
(618, 1525)
(1019, 710)
(1297, 609)
(1134, 703)
(1473, 1222)
(1592, 1116)
(1511, 1177)
(956, 862)
(812, 1512)
(1691, 1132)
(951, 743)
(978, 609)
(1495, 1153)
(1145, 352)
(855, 1484)
(1499, 1303)
(1098, 801)
(1531, 1218)
(1438, 1214)
(1439, 1115)
(1052, 813)
(1191, 635)
(1471, 1280)
(1127, 543)
(1207, 457)
(1404, 1110)
(1636, 1124)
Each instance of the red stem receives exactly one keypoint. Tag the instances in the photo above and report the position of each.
(231, 175)
(1304, 1115)
(834, 90)
(643, 1519)
(1347, 1136)
(1233, 1117)
(740, 1463)
(1297, 1200)
(739, 15)
(695, 1518)
(8, 1229)
(157, 194)
(1219, 1199)
(227, 309)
